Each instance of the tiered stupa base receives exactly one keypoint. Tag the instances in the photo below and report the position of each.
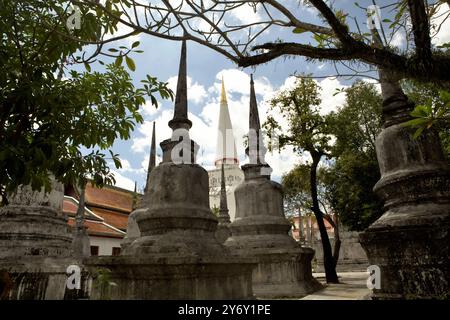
(281, 272)
(260, 231)
(177, 255)
(188, 278)
(33, 231)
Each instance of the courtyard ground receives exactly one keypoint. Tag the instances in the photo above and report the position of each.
(352, 286)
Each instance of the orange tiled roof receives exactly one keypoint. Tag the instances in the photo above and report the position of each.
(98, 228)
(114, 218)
(109, 197)
(70, 207)
(110, 204)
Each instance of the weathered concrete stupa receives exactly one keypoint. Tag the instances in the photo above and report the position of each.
(223, 228)
(133, 231)
(410, 242)
(35, 244)
(32, 224)
(260, 229)
(177, 255)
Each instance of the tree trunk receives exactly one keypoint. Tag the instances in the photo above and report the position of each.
(337, 239)
(301, 231)
(337, 242)
(328, 260)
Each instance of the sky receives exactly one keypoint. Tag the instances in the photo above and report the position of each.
(205, 69)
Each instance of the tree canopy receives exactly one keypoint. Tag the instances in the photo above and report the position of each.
(345, 183)
(341, 35)
(55, 120)
(432, 110)
(308, 133)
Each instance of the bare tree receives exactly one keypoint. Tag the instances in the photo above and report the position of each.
(339, 38)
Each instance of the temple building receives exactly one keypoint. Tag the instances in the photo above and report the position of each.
(226, 154)
(105, 215)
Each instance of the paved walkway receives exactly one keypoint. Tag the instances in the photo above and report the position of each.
(352, 286)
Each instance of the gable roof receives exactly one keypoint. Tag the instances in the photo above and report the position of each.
(99, 228)
(109, 197)
(109, 204)
(95, 224)
(70, 207)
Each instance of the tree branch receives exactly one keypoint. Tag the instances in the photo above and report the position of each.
(340, 30)
(421, 30)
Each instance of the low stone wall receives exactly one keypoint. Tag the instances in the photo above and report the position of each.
(352, 256)
(184, 278)
(40, 278)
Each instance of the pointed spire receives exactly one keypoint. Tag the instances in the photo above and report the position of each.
(254, 115)
(224, 217)
(223, 95)
(152, 160)
(134, 201)
(180, 116)
(255, 150)
(226, 146)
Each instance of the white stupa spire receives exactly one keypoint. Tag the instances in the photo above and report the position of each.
(226, 145)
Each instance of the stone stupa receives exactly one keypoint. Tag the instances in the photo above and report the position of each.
(260, 229)
(223, 228)
(177, 255)
(36, 244)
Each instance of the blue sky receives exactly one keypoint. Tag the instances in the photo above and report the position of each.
(205, 69)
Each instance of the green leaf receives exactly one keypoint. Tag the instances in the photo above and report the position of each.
(130, 63)
(299, 30)
(418, 132)
(87, 66)
(416, 122)
(119, 61)
(135, 44)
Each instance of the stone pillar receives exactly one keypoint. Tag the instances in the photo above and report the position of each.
(410, 242)
(81, 244)
(260, 229)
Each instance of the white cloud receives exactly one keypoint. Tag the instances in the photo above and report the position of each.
(375, 82)
(441, 14)
(126, 167)
(398, 40)
(148, 109)
(330, 102)
(246, 14)
(204, 128)
(196, 92)
(122, 181)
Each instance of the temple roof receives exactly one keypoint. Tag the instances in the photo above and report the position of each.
(110, 205)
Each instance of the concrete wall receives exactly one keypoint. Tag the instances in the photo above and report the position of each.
(105, 244)
(351, 254)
